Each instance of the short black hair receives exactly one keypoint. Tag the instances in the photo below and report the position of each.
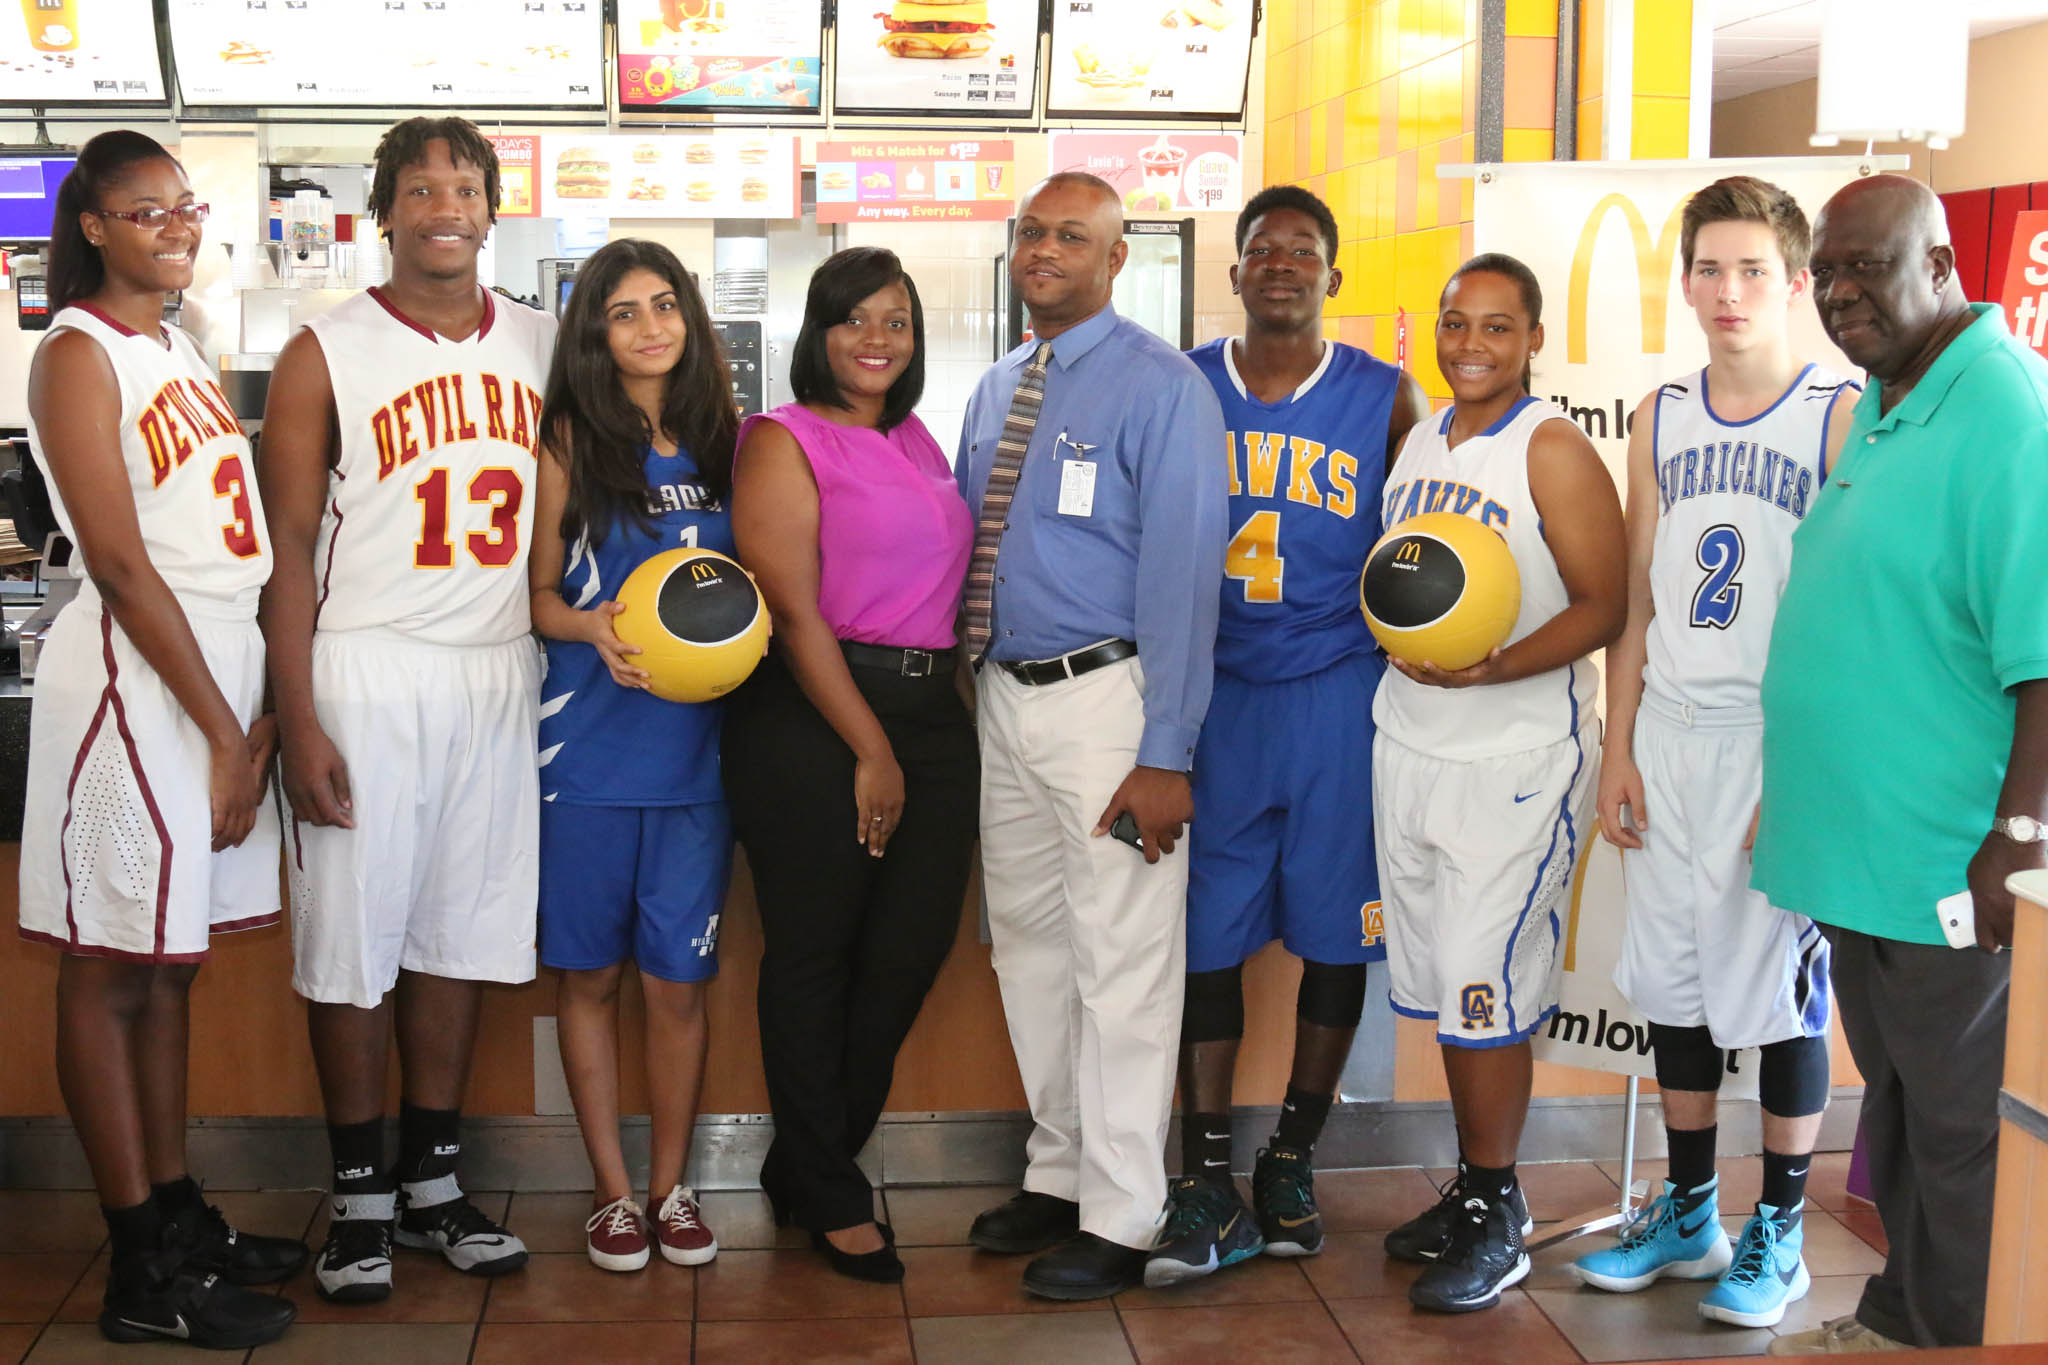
(405, 144)
(1289, 197)
(838, 285)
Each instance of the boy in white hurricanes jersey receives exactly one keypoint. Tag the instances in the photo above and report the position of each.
(1722, 465)
(398, 466)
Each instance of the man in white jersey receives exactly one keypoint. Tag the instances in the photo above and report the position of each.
(1723, 465)
(397, 467)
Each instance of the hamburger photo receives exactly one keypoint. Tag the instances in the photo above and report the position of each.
(645, 189)
(945, 30)
(646, 154)
(583, 173)
(753, 153)
(836, 179)
(701, 192)
(699, 154)
(753, 190)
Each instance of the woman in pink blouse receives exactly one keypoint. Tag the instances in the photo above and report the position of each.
(849, 758)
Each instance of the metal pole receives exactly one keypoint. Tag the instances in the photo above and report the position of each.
(1628, 1145)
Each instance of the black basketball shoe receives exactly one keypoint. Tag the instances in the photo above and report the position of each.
(1485, 1256)
(1207, 1228)
(166, 1295)
(1284, 1192)
(238, 1257)
(1427, 1235)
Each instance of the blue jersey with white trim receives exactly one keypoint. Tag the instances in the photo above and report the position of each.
(606, 745)
(1306, 475)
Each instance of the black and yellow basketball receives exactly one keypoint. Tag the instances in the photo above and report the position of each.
(1440, 588)
(699, 621)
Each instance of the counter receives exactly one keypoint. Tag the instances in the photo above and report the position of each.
(2015, 1308)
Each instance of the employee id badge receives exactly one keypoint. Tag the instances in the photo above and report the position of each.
(1077, 477)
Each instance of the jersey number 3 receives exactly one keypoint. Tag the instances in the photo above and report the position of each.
(230, 482)
(1719, 597)
(498, 489)
(1253, 557)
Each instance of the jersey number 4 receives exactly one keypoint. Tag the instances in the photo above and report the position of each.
(1719, 597)
(1253, 557)
(498, 489)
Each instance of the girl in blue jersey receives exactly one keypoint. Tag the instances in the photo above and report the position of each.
(636, 845)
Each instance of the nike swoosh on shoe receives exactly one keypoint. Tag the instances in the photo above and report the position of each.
(178, 1330)
(1295, 1222)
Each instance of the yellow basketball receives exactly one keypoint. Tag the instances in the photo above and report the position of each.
(699, 621)
(1440, 588)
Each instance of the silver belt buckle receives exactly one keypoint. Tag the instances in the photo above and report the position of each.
(917, 663)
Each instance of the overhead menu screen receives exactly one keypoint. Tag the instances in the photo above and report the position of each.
(720, 54)
(976, 58)
(1149, 58)
(492, 54)
(69, 51)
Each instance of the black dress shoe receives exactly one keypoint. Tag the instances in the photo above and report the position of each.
(1029, 1222)
(1085, 1267)
(880, 1267)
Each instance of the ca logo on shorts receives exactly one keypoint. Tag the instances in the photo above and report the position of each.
(1372, 924)
(1475, 1005)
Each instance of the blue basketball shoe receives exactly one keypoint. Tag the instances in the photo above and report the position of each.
(1768, 1272)
(1684, 1242)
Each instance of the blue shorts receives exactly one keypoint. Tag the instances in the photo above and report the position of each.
(1281, 843)
(645, 882)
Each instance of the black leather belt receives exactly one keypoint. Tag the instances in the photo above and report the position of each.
(908, 663)
(1040, 671)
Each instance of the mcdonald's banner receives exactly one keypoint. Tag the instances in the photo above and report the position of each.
(1602, 238)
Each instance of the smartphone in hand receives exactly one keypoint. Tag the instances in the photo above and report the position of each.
(1124, 829)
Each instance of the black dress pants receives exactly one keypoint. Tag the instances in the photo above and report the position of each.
(851, 943)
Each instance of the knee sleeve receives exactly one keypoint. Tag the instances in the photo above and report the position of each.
(1792, 1077)
(1214, 1009)
(1687, 1058)
(1331, 996)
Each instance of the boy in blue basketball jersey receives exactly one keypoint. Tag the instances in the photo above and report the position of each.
(1281, 843)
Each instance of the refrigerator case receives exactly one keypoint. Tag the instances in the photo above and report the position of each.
(1156, 287)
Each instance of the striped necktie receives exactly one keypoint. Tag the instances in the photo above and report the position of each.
(995, 502)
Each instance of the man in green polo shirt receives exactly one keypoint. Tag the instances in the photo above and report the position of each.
(1906, 735)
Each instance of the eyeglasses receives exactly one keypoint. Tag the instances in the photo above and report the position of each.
(156, 220)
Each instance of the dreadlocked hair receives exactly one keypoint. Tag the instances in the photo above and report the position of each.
(406, 145)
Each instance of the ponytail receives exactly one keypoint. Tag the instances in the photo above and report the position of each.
(1500, 263)
(75, 269)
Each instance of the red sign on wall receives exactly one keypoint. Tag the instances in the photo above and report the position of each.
(518, 197)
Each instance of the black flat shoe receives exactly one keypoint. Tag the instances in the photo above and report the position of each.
(1027, 1222)
(1085, 1267)
(877, 1267)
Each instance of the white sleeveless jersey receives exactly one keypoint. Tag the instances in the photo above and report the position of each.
(429, 511)
(1729, 496)
(1487, 479)
(188, 466)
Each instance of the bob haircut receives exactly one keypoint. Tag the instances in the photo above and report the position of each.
(841, 281)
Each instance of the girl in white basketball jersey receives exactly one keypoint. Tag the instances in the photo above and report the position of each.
(1483, 778)
(146, 826)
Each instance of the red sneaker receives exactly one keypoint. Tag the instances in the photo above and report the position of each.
(617, 1236)
(679, 1227)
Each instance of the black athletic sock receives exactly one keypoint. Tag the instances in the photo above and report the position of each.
(1785, 1184)
(175, 1196)
(358, 1150)
(134, 1231)
(429, 1143)
(1302, 1115)
(1495, 1182)
(1692, 1160)
(1205, 1146)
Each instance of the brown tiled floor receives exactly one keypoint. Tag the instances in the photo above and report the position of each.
(768, 1299)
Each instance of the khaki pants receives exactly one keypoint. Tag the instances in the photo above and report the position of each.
(1089, 943)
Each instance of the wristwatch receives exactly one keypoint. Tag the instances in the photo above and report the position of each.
(2021, 829)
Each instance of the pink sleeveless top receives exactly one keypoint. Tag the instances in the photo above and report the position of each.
(894, 534)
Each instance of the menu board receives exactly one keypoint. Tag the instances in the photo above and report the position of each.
(505, 54)
(693, 175)
(1149, 58)
(968, 57)
(720, 54)
(1169, 172)
(900, 181)
(63, 51)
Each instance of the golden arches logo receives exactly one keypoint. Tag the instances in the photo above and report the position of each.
(703, 570)
(1653, 272)
(1409, 553)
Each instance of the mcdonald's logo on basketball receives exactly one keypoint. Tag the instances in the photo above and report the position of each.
(703, 571)
(1409, 553)
(1653, 272)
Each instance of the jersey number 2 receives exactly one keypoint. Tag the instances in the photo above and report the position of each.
(499, 489)
(1253, 557)
(1720, 596)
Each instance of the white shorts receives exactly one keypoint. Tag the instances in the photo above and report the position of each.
(1476, 859)
(117, 852)
(1701, 947)
(442, 871)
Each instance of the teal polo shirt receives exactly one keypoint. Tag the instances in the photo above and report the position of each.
(1918, 594)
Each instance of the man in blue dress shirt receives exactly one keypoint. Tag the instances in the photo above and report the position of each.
(1092, 688)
